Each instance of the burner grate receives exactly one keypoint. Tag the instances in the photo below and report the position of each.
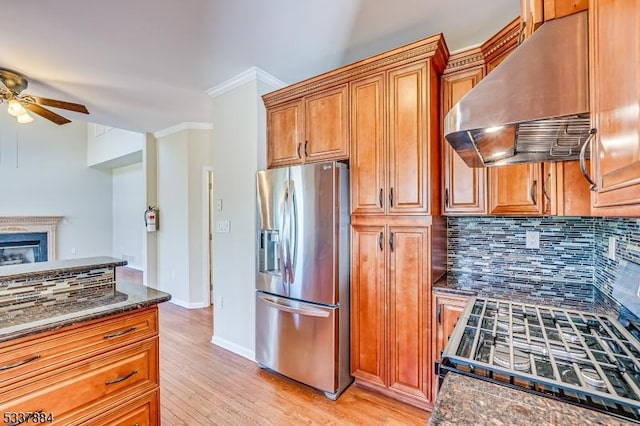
(580, 357)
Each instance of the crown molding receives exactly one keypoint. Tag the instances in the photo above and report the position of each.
(253, 73)
(182, 126)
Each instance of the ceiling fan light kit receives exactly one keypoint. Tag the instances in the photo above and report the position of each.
(11, 86)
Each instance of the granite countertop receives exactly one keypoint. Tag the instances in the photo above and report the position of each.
(10, 272)
(128, 297)
(464, 400)
(579, 296)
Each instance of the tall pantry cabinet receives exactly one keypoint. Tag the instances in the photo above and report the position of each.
(398, 235)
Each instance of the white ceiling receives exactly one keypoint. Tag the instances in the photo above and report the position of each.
(145, 65)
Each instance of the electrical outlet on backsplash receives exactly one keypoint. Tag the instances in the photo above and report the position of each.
(572, 249)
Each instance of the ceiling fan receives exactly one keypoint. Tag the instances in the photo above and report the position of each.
(11, 86)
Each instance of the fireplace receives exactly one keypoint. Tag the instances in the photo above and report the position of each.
(27, 239)
(23, 247)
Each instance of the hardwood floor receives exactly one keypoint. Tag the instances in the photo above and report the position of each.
(203, 384)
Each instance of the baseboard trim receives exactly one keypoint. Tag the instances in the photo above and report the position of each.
(234, 347)
(183, 304)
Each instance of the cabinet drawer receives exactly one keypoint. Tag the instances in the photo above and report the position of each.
(39, 355)
(142, 411)
(95, 381)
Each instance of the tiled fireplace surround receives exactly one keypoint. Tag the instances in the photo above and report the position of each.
(573, 250)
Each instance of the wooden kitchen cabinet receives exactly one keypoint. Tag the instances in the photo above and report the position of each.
(614, 64)
(392, 150)
(447, 310)
(464, 186)
(368, 146)
(310, 129)
(516, 190)
(390, 310)
(81, 372)
(285, 134)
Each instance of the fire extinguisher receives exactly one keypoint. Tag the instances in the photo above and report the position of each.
(151, 219)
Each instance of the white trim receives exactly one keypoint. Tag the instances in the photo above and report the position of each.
(234, 347)
(207, 203)
(253, 73)
(183, 304)
(187, 125)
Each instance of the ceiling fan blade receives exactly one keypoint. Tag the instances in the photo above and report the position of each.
(49, 115)
(60, 104)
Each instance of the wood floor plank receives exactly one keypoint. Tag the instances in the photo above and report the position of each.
(203, 384)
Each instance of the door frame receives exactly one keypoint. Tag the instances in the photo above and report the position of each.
(207, 235)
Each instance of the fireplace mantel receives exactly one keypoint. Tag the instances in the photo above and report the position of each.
(48, 224)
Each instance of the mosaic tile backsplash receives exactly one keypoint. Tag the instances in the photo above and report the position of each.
(496, 246)
(59, 289)
(572, 249)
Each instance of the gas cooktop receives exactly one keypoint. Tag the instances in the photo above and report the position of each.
(582, 358)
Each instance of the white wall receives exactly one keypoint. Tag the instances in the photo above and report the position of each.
(239, 140)
(181, 157)
(43, 172)
(128, 214)
(109, 147)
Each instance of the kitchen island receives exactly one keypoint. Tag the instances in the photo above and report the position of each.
(464, 400)
(76, 347)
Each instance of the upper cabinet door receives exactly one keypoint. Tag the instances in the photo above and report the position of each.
(464, 187)
(408, 144)
(615, 105)
(516, 190)
(285, 134)
(368, 162)
(327, 125)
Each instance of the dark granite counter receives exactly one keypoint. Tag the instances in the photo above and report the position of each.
(11, 272)
(463, 400)
(580, 296)
(127, 297)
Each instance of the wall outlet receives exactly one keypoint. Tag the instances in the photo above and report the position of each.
(223, 226)
(611, 252)
(219, 204)
(219, 303)
(533, 239)
(73, 251)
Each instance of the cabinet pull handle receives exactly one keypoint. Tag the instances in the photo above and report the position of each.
(380, 197)
(306, 153)
(446, 197)
(583, 162)
(544, 187)
(121, 378)
(380, 238)
(439, 313)
(391, 197)
(532, 192)
(120, 333)
(391, 241)
(521, 33)
(299, 146)
(19, 363)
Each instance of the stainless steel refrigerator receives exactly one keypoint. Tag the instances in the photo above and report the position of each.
(302, 279)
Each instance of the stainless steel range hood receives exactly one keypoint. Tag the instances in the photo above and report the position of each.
(533, 107)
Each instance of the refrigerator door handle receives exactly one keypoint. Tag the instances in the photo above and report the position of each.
(283, 235)
(309, 311)
(292, 246)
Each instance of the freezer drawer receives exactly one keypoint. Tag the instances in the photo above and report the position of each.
(298, 340)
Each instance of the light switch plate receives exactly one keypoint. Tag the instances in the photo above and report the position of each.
(611, 251)
(223, 226)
